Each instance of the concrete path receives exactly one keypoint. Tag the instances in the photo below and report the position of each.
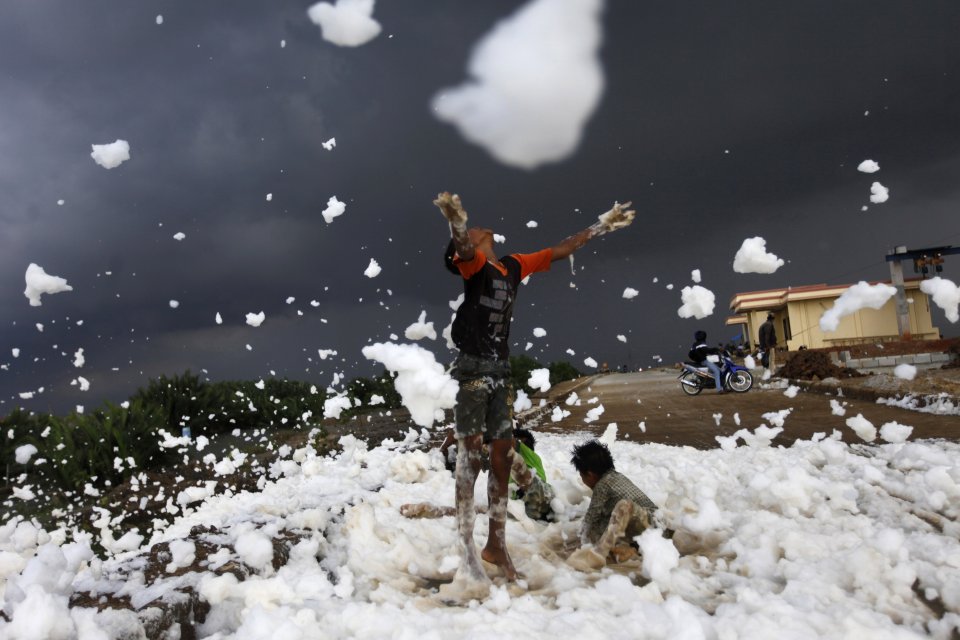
(654, 399)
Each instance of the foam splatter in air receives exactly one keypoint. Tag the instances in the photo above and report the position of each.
(535, 80)
(348, 23)
(879, 193)
(860, 296)
(334, 208)
(945, 294)
(39, 283)
(110, 156)
(424, 387)
(752, 257)
(698, 302)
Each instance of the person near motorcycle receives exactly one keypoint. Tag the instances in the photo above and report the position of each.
(698, 355)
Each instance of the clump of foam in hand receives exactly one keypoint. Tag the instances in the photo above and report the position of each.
(697, 302)
(859, 296)
(39, 283)
(945, 294)
(424, 387)
(618, 217)
(752, 257)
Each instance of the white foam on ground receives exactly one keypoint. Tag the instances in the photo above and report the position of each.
(811, 540)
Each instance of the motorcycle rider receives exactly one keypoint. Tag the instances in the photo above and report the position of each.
(698, 355)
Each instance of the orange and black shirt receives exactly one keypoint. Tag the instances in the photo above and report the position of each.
(482, 325)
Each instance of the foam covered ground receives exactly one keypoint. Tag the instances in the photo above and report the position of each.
(823, 539)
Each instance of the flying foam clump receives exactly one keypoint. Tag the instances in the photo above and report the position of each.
(424, 387)
(860, 296)
(334, 208)
(752, 257)
(698, 302)
(945, 294)
(348, 23)
(539, 379)
(39, 283)
(879, 193)
(421, 329)
(373, 269)
(111, 155)
(535, 80)
(868, 166)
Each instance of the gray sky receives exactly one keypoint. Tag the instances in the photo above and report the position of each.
(719, 121)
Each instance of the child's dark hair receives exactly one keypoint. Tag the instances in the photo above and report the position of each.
(524, 436)
(448, 258)
(592, 456)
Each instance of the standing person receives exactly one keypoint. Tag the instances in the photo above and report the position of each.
(768, 342)
(480, 331)
(700, 354)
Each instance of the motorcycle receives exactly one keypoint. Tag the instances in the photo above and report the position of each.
(733, 377)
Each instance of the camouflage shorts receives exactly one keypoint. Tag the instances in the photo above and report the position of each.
(485, 399)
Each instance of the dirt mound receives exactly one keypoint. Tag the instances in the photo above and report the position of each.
(814, 365)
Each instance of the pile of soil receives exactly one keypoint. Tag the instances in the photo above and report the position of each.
(814, 365)
(899, 348)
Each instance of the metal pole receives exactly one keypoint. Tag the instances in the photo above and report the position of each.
(903, 311)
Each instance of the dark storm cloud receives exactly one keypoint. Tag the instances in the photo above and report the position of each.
(219, 115)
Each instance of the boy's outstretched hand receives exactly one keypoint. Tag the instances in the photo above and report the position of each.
(618, 217)
(451, 208)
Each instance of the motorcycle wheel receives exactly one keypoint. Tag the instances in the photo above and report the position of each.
(690, 383)
(740, 381)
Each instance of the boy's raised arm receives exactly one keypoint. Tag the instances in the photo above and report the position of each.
(617, 217)
(452, 210)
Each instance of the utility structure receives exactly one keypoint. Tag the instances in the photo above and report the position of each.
(923, 260)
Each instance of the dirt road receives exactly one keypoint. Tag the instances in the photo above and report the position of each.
(669, 416)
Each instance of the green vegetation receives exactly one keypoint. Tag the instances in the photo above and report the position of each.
(84, 459)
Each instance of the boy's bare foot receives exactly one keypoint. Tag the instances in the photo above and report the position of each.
(623, 553)
(501, 559)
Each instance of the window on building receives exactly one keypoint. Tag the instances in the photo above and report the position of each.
(787, 335)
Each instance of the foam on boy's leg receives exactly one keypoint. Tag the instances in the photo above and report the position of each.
(468, 466)
(619, 520)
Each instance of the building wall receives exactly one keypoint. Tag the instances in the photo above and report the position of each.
(866, 324)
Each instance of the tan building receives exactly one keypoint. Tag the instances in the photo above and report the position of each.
(797, 312)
